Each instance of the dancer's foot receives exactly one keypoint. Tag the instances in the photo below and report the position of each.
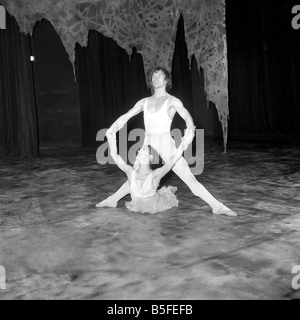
(106, 203)
(225, 211)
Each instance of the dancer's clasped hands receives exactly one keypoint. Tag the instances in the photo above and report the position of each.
(188, 137)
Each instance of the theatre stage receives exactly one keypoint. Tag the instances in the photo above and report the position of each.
(54, 243)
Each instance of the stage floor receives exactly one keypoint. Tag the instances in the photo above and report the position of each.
(54, 243)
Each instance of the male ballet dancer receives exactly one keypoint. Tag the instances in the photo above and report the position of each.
(159, 111)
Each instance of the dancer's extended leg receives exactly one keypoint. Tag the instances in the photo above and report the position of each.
(182, 169)
(166, 148)
(112, 200)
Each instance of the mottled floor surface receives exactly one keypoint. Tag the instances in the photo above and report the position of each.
(55, 244)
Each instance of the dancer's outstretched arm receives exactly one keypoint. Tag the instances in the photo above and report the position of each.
(160, 172)
(112, 141)
(185, 115)
(121, 121)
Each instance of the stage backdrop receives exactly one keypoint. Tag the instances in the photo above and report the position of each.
(111, 82)
(149, 26)
(264, 69)
(18, 114)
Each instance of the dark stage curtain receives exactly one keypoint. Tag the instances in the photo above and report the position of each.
(110, 83)
(18, 117)
(182, 86)
(264, 69)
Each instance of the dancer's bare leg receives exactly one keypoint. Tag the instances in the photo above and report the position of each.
(112, 200)
(166, 148)
(183, 171)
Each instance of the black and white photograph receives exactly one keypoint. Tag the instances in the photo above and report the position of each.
(149, 153)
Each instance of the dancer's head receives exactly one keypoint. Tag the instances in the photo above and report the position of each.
(143, 158)
(160, 76)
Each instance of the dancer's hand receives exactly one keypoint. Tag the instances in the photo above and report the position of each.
(114, 128)
(188, 137)
(111, 135)
(110, 131)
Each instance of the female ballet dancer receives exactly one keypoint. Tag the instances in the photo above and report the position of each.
(144, 182)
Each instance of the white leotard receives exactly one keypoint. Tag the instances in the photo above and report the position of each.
(146, 198)
(157, 122)
(146, 189)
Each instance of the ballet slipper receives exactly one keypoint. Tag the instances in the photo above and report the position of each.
(106, 203)
(225, 211)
